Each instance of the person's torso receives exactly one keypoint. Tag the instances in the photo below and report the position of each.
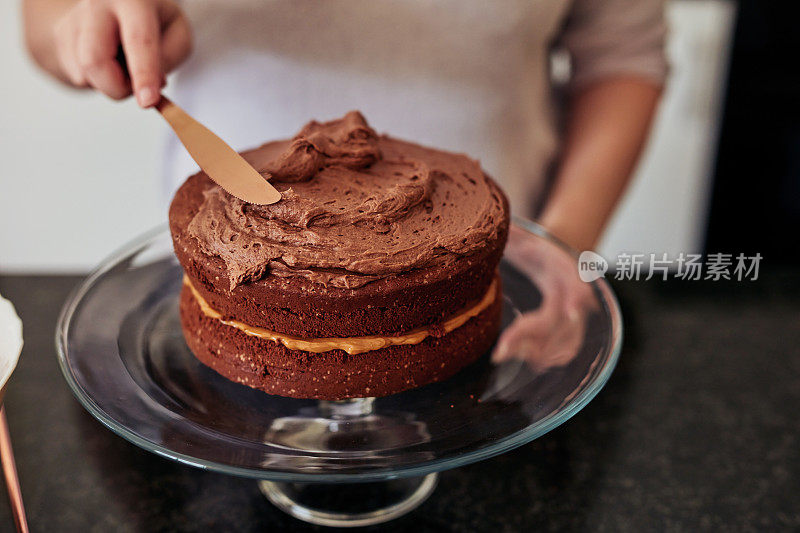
(455, 74)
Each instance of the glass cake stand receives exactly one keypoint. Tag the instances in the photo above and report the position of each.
(348, 463)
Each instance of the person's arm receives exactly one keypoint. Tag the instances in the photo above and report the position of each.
(618, 67)
(77, 42)
(607, 126)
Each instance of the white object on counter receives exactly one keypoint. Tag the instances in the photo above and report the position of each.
(10, 340)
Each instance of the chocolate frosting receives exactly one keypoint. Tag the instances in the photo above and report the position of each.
(356, 207)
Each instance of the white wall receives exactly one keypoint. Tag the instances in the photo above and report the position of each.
(80, 173)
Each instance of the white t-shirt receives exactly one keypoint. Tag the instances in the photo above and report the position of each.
(463, 75)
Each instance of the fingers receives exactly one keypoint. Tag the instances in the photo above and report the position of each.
(176, 36)
(154, 34)
(140, 34)
(66, 38)
(541, 341)
(96, 52)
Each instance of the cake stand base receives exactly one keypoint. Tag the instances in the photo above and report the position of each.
(349, 504)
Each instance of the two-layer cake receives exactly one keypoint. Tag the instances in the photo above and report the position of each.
(375, 273)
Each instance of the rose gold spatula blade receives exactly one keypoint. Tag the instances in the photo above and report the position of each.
(221, 162)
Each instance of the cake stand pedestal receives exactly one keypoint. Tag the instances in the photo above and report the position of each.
(346, 504)
(323, 504)
(347, 463)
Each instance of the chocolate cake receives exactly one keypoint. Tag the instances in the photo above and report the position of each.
(375, 273)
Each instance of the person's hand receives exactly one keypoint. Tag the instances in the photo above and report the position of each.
(154, 35)
(550, 335)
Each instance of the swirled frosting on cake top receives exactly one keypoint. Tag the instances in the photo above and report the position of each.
(356, 207)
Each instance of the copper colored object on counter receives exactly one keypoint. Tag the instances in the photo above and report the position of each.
(10, 349)
(10, 474)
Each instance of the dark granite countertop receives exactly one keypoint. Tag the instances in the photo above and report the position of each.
(698, 429)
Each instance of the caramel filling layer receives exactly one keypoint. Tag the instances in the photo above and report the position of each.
(351, 345)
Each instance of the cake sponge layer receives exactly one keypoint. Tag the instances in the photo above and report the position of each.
(298, 306)
(271, 367)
